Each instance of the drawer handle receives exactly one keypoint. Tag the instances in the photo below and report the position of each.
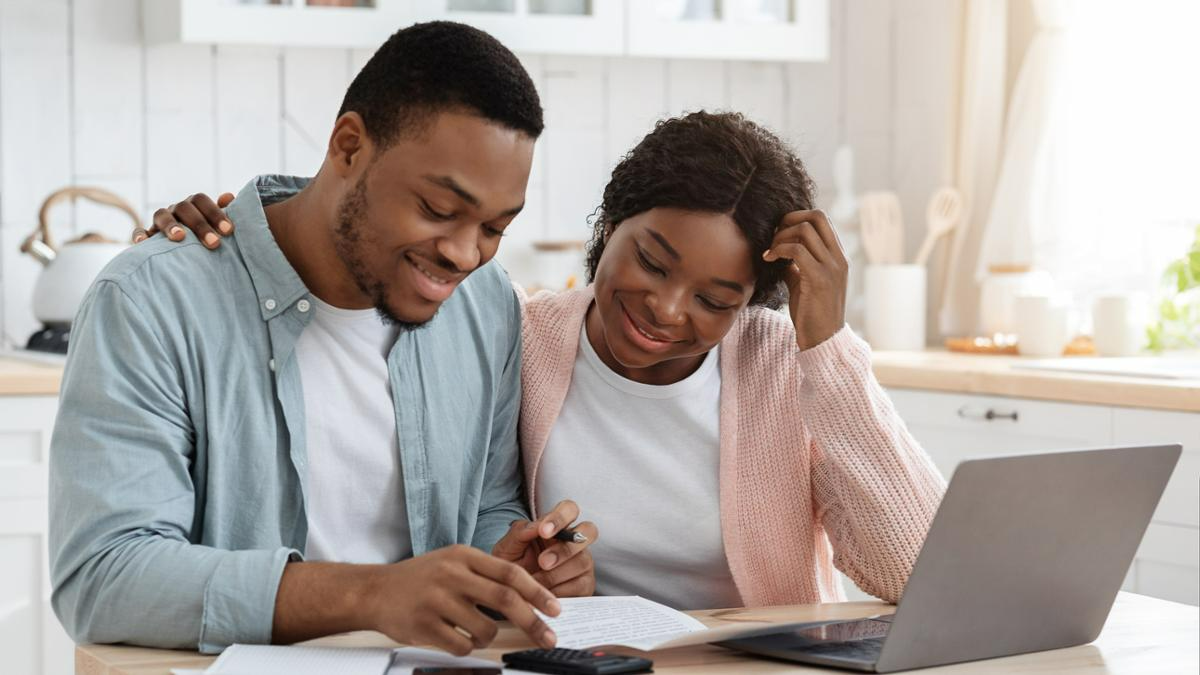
(988, 415)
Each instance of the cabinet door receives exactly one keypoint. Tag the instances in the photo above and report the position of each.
(539, 26)
(30, 636)
(1168, 562)
(955, 427)
(298, 23)
(766, 30)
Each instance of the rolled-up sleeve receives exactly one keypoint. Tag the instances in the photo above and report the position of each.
(123, 564)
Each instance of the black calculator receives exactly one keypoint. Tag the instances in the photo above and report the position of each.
(576, 662)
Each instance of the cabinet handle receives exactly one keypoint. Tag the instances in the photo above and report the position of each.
(988, 415)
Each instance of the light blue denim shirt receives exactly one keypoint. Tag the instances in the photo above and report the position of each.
(177, 467)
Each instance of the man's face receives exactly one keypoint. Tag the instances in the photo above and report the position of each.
(431, 209)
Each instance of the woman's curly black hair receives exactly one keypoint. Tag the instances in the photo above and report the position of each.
(713, 163)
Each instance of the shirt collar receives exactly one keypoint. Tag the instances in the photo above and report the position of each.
(275, 280)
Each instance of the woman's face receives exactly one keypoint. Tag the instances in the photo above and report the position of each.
(668, 287)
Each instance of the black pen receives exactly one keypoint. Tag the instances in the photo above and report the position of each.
(571, 537)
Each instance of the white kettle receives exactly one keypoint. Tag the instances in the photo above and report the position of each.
(71, 268)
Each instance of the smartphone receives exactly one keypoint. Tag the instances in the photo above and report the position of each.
(455, 670)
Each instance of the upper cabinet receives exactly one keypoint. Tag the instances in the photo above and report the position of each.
(300, 23)
(769, 30)
(761, 30)
(539, 26)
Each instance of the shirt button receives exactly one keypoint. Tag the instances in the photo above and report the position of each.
(269, 304)
(271, 365)
(303, 305)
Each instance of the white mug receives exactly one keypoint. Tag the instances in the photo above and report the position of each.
(1119, 323)
(1043, 325)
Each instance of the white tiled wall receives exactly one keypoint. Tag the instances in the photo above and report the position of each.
(84, 101)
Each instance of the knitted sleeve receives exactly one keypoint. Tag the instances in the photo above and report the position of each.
(875, 490)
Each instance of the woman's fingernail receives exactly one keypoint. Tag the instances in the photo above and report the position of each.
(210, 239)
(553, 606)
(549, 638)
(226, 227)
(137, 239)
(176, 232)
(548, 561)
(548, 530)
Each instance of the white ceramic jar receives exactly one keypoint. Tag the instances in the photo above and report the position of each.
(999, 291)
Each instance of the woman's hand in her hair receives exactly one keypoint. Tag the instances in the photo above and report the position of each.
(817, 277)
(197, 213)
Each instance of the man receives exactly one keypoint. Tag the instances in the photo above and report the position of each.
(349, 392)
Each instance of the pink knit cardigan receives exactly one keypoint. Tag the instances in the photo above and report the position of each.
(812, 454)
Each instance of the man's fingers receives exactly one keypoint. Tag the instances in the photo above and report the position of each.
(444, 636)
(564, 513)
(465, 616)
(513, 606)
(515, 579)
(558, 551)
(139, 235)
(510, 590)
(225, 199)
(213, 215)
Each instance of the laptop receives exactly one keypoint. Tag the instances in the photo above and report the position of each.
(1026, 553)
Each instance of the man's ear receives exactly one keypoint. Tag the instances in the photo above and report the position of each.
(349, 145)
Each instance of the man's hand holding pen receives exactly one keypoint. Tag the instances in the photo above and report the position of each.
(553, 551)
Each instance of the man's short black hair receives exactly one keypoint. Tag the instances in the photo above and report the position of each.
(438, 66)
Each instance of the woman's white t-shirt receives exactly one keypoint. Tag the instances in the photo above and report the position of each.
(642, 461)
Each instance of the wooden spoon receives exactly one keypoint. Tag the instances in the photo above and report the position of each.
(944, 211)
(882, 224)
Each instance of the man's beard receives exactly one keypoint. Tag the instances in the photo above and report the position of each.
(349, 246)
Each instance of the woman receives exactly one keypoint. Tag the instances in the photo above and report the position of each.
(731, 455)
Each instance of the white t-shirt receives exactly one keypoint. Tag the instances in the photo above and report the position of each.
(642, 461)
(355, 488)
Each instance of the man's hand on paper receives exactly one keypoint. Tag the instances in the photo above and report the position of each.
(563, 567)
(431, 599)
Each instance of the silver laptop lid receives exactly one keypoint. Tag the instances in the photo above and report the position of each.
(1026, 553)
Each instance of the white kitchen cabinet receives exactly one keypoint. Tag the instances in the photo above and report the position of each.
(954, 427)
(761, 30)
(1168, 562)
(296, 22)
(765, 30)
(539, 26)
(31, 638)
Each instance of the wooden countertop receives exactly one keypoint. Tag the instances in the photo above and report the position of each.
(931, 370)
(21, 377)
(995, 375)
(1142, 635)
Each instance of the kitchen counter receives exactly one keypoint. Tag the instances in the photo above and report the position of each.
(930, 370)
(995, 375)
(22, 377)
